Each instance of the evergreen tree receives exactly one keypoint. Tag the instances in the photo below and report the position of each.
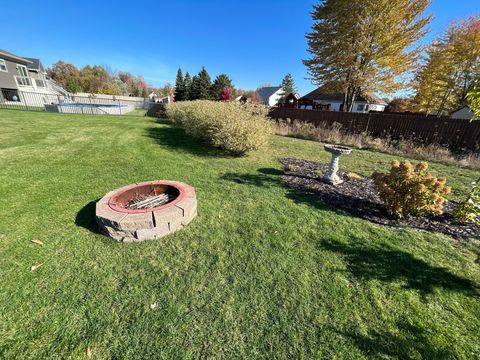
(365, 45)
(73, 85)
(188, 86)
(179, 87)
(201, 85)
(288, 86)
(220, 83)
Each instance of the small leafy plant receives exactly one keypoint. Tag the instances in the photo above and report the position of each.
(408, 190)
(292, 168)
(469, 209)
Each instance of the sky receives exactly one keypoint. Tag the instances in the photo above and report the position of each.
(254, 42)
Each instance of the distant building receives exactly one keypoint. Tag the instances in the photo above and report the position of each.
(463, 113)
(334, 101)
(270, 95)
(23, 74)
(291, 101)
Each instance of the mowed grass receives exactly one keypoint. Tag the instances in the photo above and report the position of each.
(262, 272)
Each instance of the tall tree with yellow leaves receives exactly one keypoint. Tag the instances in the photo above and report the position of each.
(365, 45)
(451, 66)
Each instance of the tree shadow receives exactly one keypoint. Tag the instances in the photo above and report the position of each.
(177, 139)
(271, 177)
(267, 177)
(388, 265)
(408, 341)
(86, 217)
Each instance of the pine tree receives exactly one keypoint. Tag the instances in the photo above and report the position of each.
(188, 86)
(179, 87)
(201, 85)
(288, 87)
(365, 45)
(220, 83)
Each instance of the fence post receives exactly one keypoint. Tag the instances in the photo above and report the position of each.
(24, 100)
(368, 122)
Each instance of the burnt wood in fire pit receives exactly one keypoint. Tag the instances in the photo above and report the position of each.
(146, 211)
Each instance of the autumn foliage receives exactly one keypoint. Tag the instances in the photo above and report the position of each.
(408, 190)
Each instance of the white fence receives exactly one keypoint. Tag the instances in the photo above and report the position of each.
(72, 103)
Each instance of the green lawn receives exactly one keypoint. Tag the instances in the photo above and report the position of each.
(262, 272)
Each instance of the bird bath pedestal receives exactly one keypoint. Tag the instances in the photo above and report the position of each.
(331, 176)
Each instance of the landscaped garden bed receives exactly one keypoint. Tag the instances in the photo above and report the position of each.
(358, 196)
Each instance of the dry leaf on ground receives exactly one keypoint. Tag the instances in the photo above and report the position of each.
(35, 267)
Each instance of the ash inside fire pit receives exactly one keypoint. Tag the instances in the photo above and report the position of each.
(151, 200)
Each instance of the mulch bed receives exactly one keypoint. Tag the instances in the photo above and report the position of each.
(359, 197)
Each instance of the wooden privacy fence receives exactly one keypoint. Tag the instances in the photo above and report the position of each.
(456, 133)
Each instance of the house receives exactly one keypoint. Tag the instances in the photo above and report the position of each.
(333, 101)
(463, 113)
(21, 76)
(291, 101)
(270, 95)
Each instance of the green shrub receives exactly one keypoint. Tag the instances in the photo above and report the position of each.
(231, 126)
(411, 191)
(469, 209)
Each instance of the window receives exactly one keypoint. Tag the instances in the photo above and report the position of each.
(39, 83)
(360, 107)
(22, 70)
(9, 95)
(3, 65)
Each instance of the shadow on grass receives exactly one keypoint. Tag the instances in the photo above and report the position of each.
(175, 138)
(363, 260)
(267, 177)
(388, 265)
(408, 341)
(271, 177)
(86, 217)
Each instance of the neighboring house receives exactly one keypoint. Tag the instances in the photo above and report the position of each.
(334, 101)
(463, 113)
(291, 101)
(270, 95)
(22, 74)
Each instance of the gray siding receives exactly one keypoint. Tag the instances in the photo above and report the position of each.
(7, 79)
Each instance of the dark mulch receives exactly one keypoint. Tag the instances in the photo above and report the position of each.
(359, 197)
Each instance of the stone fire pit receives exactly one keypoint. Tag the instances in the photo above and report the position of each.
(146, 211)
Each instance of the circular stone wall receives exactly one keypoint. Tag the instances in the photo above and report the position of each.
(127, 225)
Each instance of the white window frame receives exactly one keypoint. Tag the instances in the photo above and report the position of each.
(25, 69)
(4, 64)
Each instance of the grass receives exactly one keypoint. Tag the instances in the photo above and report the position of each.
(262, 272)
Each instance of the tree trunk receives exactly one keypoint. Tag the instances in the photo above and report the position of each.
(444, 100)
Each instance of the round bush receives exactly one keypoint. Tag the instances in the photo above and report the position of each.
(235, 127)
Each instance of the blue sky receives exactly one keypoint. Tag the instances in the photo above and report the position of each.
(254, 42)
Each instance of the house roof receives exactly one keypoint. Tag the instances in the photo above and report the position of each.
(295, 95)
(266, 92)
(35, 64)
(6, 54)
(460, 108)
(318, 95)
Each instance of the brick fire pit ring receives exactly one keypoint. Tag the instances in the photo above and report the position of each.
(118, 220)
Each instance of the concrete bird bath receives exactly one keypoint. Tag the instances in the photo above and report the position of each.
(331, 177)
